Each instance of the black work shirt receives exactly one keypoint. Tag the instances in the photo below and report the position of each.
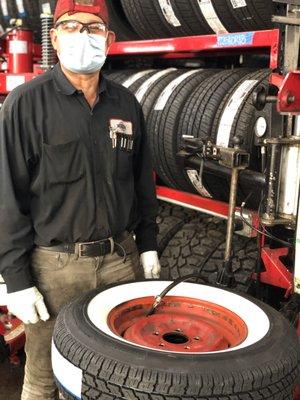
(61, 179)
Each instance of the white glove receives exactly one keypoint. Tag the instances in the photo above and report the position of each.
(151, 264)
(27, 305)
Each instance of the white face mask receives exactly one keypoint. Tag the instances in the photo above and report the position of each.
(82, 53)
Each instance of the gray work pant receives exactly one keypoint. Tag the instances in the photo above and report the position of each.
(61, 277)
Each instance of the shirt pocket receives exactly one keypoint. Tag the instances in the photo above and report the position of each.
(63, 162)
(124, 164)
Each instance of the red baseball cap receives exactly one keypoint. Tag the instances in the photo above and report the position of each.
(97, 7)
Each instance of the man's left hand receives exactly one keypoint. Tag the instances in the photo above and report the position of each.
(151, 264)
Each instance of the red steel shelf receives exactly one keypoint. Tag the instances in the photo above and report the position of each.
(195, 44)
(193, 201)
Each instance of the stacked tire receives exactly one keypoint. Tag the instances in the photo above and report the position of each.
(165, 18)
(202, 103)
(198, 248)
(170, 220)
(193, 243)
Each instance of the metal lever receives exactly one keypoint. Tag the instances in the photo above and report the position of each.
(226, 276)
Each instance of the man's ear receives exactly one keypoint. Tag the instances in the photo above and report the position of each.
(111, 38)
(53, 35)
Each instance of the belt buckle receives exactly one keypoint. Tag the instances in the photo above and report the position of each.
(78, 246)
(78, 249)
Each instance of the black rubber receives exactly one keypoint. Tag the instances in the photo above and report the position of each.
(163, 130)
(190, 24)
(202, 237)
(144, 18)
(119, 23)
(170, 220)
(226, 15)
(121, 76)
(196, 12)
(136, 85)
(118, 370)
(243, 125)
(154, 92)
(255, 15)
(198, 117)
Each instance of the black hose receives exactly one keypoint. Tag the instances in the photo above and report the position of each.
(159, 298)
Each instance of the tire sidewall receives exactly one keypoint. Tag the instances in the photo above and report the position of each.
(271, 345)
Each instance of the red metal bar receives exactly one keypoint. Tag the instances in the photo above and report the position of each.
(250, 40)
(289, 92)
(193, 201)
(276, 273)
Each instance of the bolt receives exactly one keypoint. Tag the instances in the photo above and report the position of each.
(156, 333)
(162, 345)
(187, 347)
(290, 99)
(197, 338)
(178, 330)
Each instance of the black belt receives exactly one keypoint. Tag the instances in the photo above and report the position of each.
(97, 248)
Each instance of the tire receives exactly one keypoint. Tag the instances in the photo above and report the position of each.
(118, 22)
(163, 125)
(226, 13)
(190, 24)
(144, 18)
(243, 123)
(195, 9)
(91, 362)
(170, 220)
(133, 81)
(119, 76)
(197, 120)
(136, 85)
(154, 91)
(256, 14)
(205, 237)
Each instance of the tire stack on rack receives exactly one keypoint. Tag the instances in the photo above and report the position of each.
(148, 19)
(201, 103)
(165, 18)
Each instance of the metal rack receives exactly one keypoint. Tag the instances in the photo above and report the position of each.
(193, 45)
(190, 47)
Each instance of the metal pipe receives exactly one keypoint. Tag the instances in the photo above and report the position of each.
(231, 214)
(272, 184)
(289, 181)
(246, 177)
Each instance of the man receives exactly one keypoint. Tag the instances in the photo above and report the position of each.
(75, 182)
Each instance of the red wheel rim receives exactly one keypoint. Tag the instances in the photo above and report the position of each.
(179, 324)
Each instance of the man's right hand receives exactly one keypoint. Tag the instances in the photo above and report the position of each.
(28, 305)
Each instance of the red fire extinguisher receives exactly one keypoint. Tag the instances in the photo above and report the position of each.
(20, 51)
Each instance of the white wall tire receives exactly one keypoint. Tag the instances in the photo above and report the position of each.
(266, 364)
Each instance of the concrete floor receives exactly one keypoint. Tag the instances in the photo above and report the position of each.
(11, 379)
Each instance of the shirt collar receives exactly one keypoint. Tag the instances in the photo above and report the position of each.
(64, 86)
